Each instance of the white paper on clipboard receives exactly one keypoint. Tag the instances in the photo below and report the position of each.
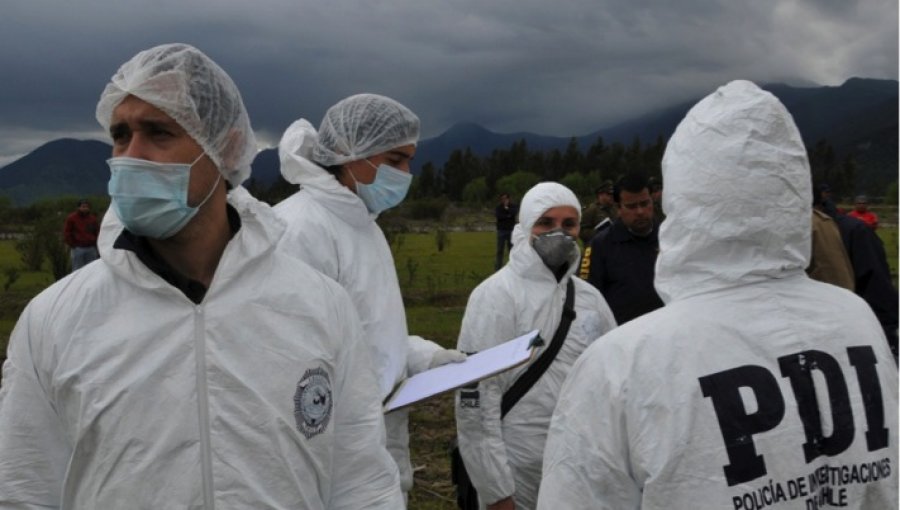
(476, 367)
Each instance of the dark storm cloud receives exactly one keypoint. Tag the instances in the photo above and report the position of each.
(561, 68)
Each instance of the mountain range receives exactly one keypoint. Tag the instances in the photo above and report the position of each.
(858, 118)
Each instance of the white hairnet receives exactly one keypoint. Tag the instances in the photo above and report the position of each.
(192, 89)
(361, 126)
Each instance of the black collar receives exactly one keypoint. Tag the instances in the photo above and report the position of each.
(194, 290)
(621, 234)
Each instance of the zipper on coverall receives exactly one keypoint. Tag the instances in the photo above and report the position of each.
(203, 407)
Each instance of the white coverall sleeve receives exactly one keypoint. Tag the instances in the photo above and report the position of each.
(34, 452)
(365, 475)
(488, 321)
(586, 457)
(420, 353)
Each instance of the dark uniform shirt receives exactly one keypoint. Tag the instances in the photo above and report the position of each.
(194, 290)
(622, 266)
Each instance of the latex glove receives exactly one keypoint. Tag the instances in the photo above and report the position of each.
(444, 356)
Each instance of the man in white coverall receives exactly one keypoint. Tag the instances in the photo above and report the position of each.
(196, 366)
(503, 456)
(352, 169)
(755, 386)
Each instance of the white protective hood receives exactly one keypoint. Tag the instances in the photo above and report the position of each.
(522, 258)
(297, 167)
(741, 214)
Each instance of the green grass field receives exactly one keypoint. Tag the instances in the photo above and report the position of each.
(429, 275)
(889, 238)
(435, 287)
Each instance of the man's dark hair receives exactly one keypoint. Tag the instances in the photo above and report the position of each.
(632, 182)
(504, 195)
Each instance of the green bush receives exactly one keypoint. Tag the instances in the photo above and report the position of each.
(426, 208)
(476, 192)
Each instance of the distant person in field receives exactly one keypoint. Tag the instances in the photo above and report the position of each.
(503, 455)
(505, 214)
(80, 234)
(194, 365)
(754, 387)
(862, 213)
(353, 168)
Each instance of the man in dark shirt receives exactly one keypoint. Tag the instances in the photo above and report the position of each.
(622, 258)
(506, 213)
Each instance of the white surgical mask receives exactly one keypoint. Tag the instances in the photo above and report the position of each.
(387, 190)
(150, 198)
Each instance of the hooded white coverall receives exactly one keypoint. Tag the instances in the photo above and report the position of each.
(120, 392)
(755, 386)
(503, 457)
(330, 228)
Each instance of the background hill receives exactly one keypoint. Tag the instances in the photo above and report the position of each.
(60, 167)
(858, 119)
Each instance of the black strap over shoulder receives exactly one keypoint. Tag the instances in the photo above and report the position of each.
(537, 369)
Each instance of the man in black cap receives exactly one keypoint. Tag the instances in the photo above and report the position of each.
(595, 214)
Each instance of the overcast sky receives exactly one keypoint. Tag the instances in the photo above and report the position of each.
(553, 67)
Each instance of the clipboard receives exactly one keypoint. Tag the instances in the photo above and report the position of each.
(476, 367)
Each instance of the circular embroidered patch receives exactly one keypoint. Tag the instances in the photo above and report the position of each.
(312, 402)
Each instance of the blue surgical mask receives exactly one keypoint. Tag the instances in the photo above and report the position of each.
(387, 190)
(150, 198)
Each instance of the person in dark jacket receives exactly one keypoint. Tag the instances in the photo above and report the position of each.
(872, 275)
(506, 213)
(622, 258)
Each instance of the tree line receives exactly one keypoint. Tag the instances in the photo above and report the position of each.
(468, 178)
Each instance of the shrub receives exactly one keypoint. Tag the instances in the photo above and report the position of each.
(427, 208)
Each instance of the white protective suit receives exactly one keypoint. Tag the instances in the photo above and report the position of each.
(503, 458)
(699, 404)
(330, 228)
(119, 392)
